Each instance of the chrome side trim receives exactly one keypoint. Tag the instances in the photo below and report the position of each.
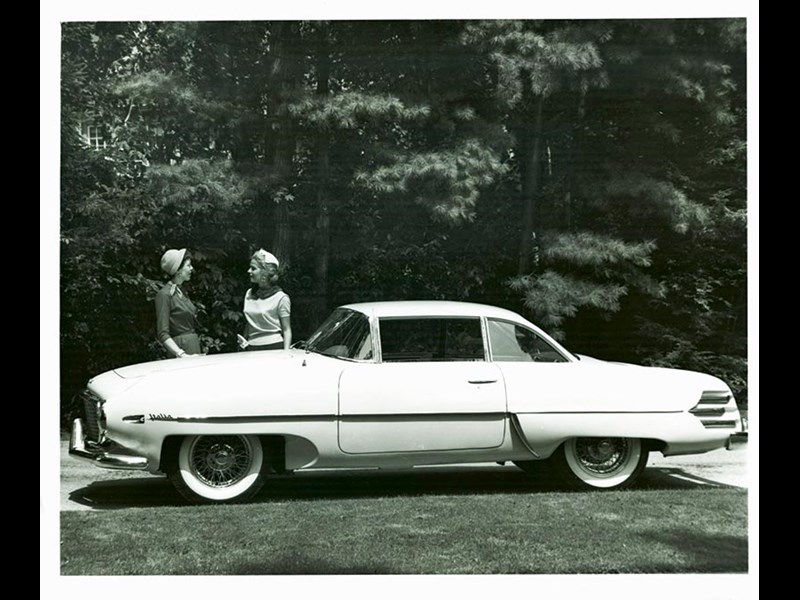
(322, 417)
(240, 419)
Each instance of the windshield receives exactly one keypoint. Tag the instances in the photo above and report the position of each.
(344, 334)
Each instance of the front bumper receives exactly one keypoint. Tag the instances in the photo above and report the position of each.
(102, 455)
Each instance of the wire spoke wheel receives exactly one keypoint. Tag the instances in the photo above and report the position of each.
(220, 461)
(218, 468)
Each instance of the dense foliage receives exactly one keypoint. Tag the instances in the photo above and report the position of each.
(588, 174)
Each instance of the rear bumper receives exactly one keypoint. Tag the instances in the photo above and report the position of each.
(736, 441)
(101, 455)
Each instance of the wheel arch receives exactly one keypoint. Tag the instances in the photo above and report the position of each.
(282, 452)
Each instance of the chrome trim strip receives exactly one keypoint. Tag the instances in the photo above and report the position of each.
(420, 416)
(250, 419)
(330, 417)
(603, 412)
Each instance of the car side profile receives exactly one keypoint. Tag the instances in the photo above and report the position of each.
(399, 384)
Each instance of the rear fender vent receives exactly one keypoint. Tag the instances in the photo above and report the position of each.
(716, 409)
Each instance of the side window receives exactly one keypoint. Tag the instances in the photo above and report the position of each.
(432, 339)
(512, 343)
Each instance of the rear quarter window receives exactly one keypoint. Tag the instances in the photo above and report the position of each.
(511, 342)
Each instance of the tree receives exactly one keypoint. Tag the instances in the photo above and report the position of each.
(590, 173)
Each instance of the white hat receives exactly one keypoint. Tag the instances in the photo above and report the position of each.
(266, 257)
(171, 261)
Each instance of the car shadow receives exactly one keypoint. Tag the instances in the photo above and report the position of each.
(675, 478)
(130, 492)
(356, 484)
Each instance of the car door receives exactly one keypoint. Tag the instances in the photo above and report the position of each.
(433, 390)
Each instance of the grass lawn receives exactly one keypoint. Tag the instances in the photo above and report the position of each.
(553, 532)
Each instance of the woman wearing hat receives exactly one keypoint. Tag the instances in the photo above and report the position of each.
(267, 308)
(175, 314)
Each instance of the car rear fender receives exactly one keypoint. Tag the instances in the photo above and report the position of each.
(543, 433)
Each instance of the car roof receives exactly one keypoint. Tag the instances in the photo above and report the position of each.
(432, 308)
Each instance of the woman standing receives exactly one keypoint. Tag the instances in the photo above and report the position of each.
(267, 308)
(175, 314)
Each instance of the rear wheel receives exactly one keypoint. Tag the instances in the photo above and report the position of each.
(600, 462)
(210, 469)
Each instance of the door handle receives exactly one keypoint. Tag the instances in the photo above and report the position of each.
(478, 381)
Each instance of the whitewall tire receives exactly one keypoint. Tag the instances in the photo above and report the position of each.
(211, 469)
(600, 462)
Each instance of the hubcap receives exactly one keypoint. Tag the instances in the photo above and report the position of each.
(602, 455)
(220, 461)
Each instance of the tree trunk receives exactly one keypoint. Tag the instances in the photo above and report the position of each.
(530, 144)
(322, 225)
(282, 79)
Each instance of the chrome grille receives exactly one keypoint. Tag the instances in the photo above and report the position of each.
(94, 419)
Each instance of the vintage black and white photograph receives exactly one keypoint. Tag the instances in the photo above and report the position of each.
(418, 302)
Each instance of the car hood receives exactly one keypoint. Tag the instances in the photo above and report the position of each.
(275, 382)
(205, 362)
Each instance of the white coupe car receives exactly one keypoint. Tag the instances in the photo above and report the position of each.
(398, 384)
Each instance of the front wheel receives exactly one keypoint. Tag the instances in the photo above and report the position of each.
(212, 469)
(600, 462)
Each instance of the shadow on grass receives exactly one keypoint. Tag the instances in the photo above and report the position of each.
(127, 493)
(705, 553)
(673, 478)
(701, 552)
(337, 485)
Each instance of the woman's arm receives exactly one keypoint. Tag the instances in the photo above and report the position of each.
(162, 317)
(162, 326)
(173, 347)
(285, 318)
(286, 328)
(243, 340)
